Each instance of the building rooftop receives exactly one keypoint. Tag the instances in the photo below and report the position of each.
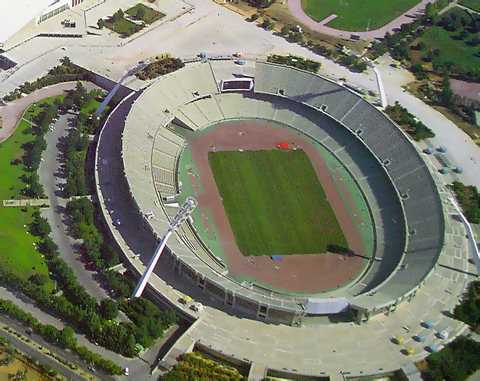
(14, 15)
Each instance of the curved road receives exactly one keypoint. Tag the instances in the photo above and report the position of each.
(13, 111)
(297, 11)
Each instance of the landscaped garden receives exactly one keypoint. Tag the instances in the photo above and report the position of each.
(132, 20)
(161, 66)
(145, 14)
(469, 199)
(18, 252)
(411, 125)
(198, 367)
(295, 61)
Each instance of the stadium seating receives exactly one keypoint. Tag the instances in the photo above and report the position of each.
(402, 196)
(423, 212)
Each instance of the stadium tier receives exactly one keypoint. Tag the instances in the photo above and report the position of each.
(402, 197)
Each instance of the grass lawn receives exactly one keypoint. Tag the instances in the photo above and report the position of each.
(123, 27)
(451, 50)
(33, 110)
(357, 15)
(275, 202)
(149, 15)
(90, 107)
(17, 253)
(472, 4)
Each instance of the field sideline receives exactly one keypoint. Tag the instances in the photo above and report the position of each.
(356, 15)
(275, 203)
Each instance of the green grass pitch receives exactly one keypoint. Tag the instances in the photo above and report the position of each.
(357, 15)
(275, 202)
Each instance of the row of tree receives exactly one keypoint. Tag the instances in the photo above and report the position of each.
(455, 362)
(65, 72)
(415, 128)
(195, 366)
(82, 214)
(295, 34)
(298, 62)
(469, 199)
(65, 338)
(33, 149)
(468, 310)
(398, 43)
(75, 153)
(75, 305)
(149, 321)
(160, 67)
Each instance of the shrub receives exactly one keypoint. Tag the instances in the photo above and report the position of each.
(160, 67)
(298, 62)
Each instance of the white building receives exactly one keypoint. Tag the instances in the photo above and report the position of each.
(18, 15)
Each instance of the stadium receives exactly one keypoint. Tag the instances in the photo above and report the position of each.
(350, 222)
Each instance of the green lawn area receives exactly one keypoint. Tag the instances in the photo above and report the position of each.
(147, 14)
(275, 202)
(90, 107)
(357, 15)
(35, 109)
(452, 50)
(123, 27)
(11, 184)
(17, 253)
(472, 4)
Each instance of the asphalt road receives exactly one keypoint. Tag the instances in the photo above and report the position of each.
(52, 181)
(50, 177)
(42, 357)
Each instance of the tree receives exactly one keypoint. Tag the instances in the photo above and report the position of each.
(140, 13)
(261, 3)
(50, 333)
(39, 225)
(66, 338)
(118, 15)
(286, 29)
(267, 23)
(108, 309)
(66, 61)
(446, 95)
(38, 279)
(101, 23)
(418, 71)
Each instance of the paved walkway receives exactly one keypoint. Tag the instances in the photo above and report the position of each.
(296, 9)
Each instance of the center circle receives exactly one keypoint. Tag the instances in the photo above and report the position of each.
(224, 224)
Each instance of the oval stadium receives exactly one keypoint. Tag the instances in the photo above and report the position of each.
(315, 214)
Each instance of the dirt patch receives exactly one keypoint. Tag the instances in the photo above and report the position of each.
(294, 273)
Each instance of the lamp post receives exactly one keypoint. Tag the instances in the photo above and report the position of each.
(183, 213)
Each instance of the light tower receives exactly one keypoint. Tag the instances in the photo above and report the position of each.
(183, 213)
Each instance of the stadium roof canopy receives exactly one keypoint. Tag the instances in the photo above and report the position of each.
(16, 14)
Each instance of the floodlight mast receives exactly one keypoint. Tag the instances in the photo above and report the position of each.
(183, 213)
